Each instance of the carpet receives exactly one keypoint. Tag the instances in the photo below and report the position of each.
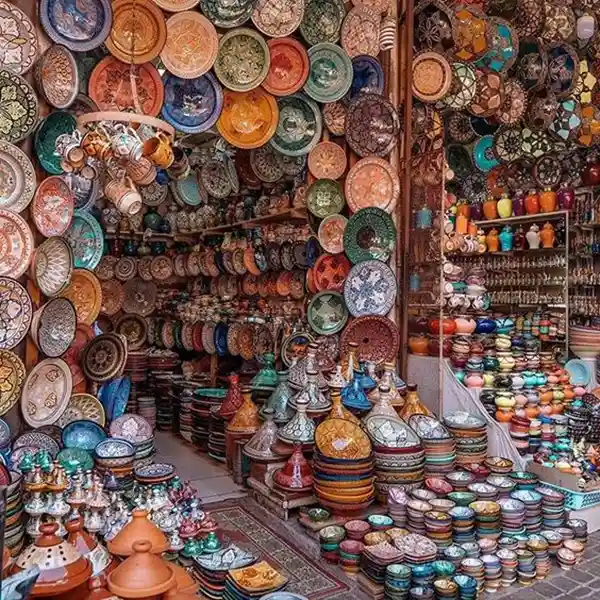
(251, 527)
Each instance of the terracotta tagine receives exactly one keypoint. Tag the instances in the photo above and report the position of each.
(296, 474)
(98, 590)
(233, 400)
(139, 528)
(175, 594)
(142, 575)
(184, 582)
(62, 568)
(246, 419)
(94, 551)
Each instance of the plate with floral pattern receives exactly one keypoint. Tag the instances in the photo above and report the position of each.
(52, 207)
(16, 244)
(18, 39)
(370, 289)
(86, 240)
(370, 234)
(299, 125)
(331, 73)
(322, 21)
(18, 107)
(15, 313)
(327, 313)
(17, 177)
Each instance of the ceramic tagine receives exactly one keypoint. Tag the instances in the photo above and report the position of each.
(316, 402)
(139, 528)
(259, 447)
(413, 404)
(94, 551)
(296, 474)
(278, 401)
(233, 400)
(246, 419)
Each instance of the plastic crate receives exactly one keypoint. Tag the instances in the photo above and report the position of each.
(577, 500)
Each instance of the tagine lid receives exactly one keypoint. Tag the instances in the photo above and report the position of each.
(98, 590)
(98, 556)
(259, 446)
(139, 528)
(143, 574)
(184, 582)
(62, 567)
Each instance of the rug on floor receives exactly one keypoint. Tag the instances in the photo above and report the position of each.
(251, 527)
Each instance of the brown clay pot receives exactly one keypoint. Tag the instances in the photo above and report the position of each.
(175, 594)
(139, 528)
(89, 547)
(183, 580)
(97, 589)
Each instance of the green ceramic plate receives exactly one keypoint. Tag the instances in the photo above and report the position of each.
(331, 73)
(18, 106)
(324, 197)
(86, 240)
(299, 127)
(369, 235)
(55, 125)
(322, 21)
(227, 13)
(327, 313)
(188, 191)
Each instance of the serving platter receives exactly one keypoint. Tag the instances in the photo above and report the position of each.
(17, 176)
(15, 313)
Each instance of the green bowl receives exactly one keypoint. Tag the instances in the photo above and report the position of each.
(462, 498)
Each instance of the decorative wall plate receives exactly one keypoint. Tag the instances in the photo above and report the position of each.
(372, 182)
(532, 63)
(327, 160)
(529, 19)
(377, 338)
(543, 107)
(288, 67)
(589, 132)
(85, 191)
(535, 143)
(85, 293)
(86, 240)
(176, 6)
(559, 22)
(483, 153)
(134, 328)
(15, 313)
(324, 197)
(370, 289)
(360, 32)
(460, 128)
(370, 234)
(330, 272)
(125, 268)
(46, 392)
(227, 13)
(587, 82)
(104, 357)
(327, 313)
(331, 233)
(110, 86)
(334, 117)
(331, 73)
(18, 107)
(56, 327)
(567, 122)
(490, 94)
(278, 18)
(563, 69)
(53, 126)
(248, 119)
(463, 86)
(38, 440)
(57, 77)
(52, 207)
(547, 171)
(140, 297)
(514, 105)
(154, 194)
(161, 268)
(18, 39)
(508, 144)
(503, 49)
(85, 435)
(265, 164)
(17, 176)
(342, 440)
(86, 30)
(372, 126)
(367, 76)
(299, 125)
(83, 407)
(322, 21)
(470, 33)
(138, 33)
(13, 376)
(431, 76)
(459, 160)
(433, 26)
(16, 243)
(113, 297)
(215, 179)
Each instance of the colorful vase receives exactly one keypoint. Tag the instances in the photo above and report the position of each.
(505, 207)
(548, 201)
(506, 238)
(532, 203)
(547, 236)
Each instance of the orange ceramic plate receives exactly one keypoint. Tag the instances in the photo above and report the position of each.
(248, 119)
(372, 182)
(110, 86)
(138, 33)
(85, 293)
(327, 160)
(288, 67)
(192, 45)
(330, 272)
(176, 5)
(331, 233)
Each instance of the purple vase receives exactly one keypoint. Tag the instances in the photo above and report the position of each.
(565, 197)
(476, 211)
(519, 203)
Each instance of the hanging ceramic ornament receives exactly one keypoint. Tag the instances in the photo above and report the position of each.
(567, 122)
(462, 88)
(531, 67)
(490, 94)
(514, 105)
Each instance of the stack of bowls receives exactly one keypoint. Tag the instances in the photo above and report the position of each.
(379, 522)
(419, 592)
(502, 483)
(445, 588)
(415, 510)
(147, 409)
(349, 555)
(356, 529)
(519, 433)
(576, 547)
(115, 457)
(487, 518)
(14, 525)
(397, 501)
(462, 498)
(484, 491)
(566, 559)
(438, 444)
(397, 582)
(538, 545)
(509, 563)
(438, 526)
(475, 568)
(374, 538)
(204, 400)
(584, 341)
(524, 480)
(512, 516)
(329, 540)
(442, 504)
(444, 568)
(493, 572)
(467, 587)
(455, 554)
(526, 567)
(487, 546)
(533, 509)
(463, 524)
(554, 539)
(508, 542)
(579, 527)
(417, 549)
(498, 465)
(423, 575)
(376, 559)
(470, 433)
(553, 507)
(472, 549)
(460, 480)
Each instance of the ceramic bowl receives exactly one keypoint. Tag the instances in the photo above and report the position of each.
(462, 498)
(333, 534)
(375, 537)
(379, 522)
(318, 514)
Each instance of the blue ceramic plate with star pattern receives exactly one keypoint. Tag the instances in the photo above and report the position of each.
(370, 289)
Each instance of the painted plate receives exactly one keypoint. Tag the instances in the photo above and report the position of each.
(86, 240)
(327, 160)
(372, 182)
(57, 77)
(80, 26)
(133, 428)
(115, 448)
(371, 126)
(110, 86)
(138, 33)
(104, 357)
(54, 125)
(331, 233)
(431, 76)
(4, 434)
(56, 327)
(360, 32)
(176, 5)
(243, 60)
(13, 376)
(368, 77)
(188, 191)
(85, 191)
(18, 107)
(39, 440)
(113, 297)
(377, 339)
(83, 407)
(192, 105)
(15, 313)
(579, 372)
(192, 45)
(331, 73)
(52, 207)
(288, 68)
(330, 272)
(248, 119)
(370, 289)
(325, 197)
(278, 18)
(327, 313)
(18, 39)
(53, 266)
(85, 293)
(370, 234)
(17, 176)
(322, 21)
(227, 13)
(85, 435)
(299, 126)
(134, 328)
(16, 244)
(46, 392)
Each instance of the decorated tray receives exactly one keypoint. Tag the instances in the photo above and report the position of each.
(227, 13)
(55, 327)
(327, 313)
(18, 107)
(288, 67)
(52, 207)
(276, 18)
(324, 197)
(140, 297)
(46, 392)
(331, 73)
(299, 125)
(134, 328)
(83, 407)
(86, 240)
(360, 32)
(18, 39)
(15, 313)
(132, 428)
(330, 272)
(192, 45)
(39, 440)
(331, 233)
(104, 357)
(377, 338)
(16, 243)
(17, 176)
(322, 21)
(85, 293)
(367, 77)
(113, 297)
(57, 77)
(431, 76)
(327, 160)
(85, 435)
(372, 182)
(13, 376)
(138, 33)
(370, 289)
(54, 125)
(370, 234)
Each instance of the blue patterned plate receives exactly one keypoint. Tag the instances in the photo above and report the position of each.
(86, 240)
(85, 435)
(187, 191)
(80, 25)
(367, 78)
(370, 289)
(114, 396)
(192, 105)
(221, 339)
(115, 448)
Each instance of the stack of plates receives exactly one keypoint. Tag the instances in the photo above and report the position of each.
(115, 456)
(154, 474)
(579, 527)
(329, 541)
(204, 400)
(470, 433)
(397, 501)
(445, 588)
(566, 559)
(467, 587)
(164, 388)
(136, 366)
(508, 543)
(487, 518)
(253, 582)
(415, 511)
(475, 568)
(417, 549)
(519, 433)
(185, 395)
(144, 453)
(438, 526)
(533, 509)
(216, 434)
(538, 544)
(535, 434)
(397, 582)
(503, 484)
(463, 524)
(498, 465)
(509, 563)
(553, 507)
(526, 567)
(493, 572)
(472, 549)
(376, 559)
(576, 547)
(513, 516)
(438, 444)
(147, 409)
(554, 539)
(14, 526)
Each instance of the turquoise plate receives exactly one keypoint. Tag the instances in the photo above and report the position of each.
(331, 73)
(74, 458)
(188, 191)
(85, 435)
(56, 124)
(369, 235)
(579, 372)
(483, 154)
(299, 127)
(86, 240)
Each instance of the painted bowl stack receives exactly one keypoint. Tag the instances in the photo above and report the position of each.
(438, 444)
(185, 394)
(512, 516)
(533, 509)
(147, 409)
(417, 549)
(538, 545)
(509, 563)
(397, 501)
(216, 435)
(397, 582)
(329, 541)
(138, 432)
(467, 587)
(487, 518)
(14, 527)
(519, 433)
(470, 434)
(350, 552)
(116, 457)
(553, 507)
(463, 524)
(204, 400)
(526, 567)
(493, 572)
(579, 527)
(415, 511)
(375, 560)
(475, 568)
(438, 526)
(503, 484)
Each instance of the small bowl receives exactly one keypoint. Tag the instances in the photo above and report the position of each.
(332, 534)
(380, 522)
(317, 515)
(375, 537)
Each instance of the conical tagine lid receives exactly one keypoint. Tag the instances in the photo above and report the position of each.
(139, 528)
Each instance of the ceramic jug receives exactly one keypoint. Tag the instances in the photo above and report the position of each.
(533, 237)
(518, 203)
(519, 239)
(506, 239)
(490, 208)
(492, 240)
(505, 207)
(548, 200)
(565, 197)
(532, 203)
(547, 236)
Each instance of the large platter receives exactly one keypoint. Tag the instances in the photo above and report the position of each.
(331, 73)
(18, 107)
(17, 177)
(322, 21)
(227, 13)
(53, 266)
(15, 313)
(85, 293)
(46, 392)
(278, 18)
(16, 245)
(83, 407)
(13, 376)
(140, 297)
(377, 338)
(288, 68)
(85, 191)
(54, 327)
(299, 126)
(331, 233)
(372, 181)
(52, 207)
(86, 240)
(104, 357)
(85, 435)
(390, 433)
(370, 234)
(327, 313)
(134, 328)
(57, 77)
(38, 439)
(370, 289)
(132, 428)
(18, 39)
(342, 440)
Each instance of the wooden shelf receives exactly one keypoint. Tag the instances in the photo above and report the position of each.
(553, 216)
(292, 214)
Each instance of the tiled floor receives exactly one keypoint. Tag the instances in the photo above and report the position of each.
(208, 476)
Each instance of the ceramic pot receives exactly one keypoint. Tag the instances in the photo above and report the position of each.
(519, 239)
(418, 344)
(448, 326)
(462, 225)
(476, 211)
(565, 197)
(424, 218)
(506, 239)
(464, 325)
(518, 203)
(485, 325)
(506, 362)
(532, 203)
(492, 241)
(505, 207)
(463, 209)
(591, 172)
(547, 236)
(490, 208)
(474, 380)
(139, 528)
(548, 201)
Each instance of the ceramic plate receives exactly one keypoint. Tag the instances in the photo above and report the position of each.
(116, 397)
(228, 558)
(360, 33)
(367, 77)
(192, 105)
(85, 293)
(53, 266)
(54, 125)
(431, 76)
(82, 407)
(13, 377)
(370, 289)
(331, 233)
(17, 176)
(85, 191)
(377, 338)
(322, 21)
(134, 328)
(370, 234)
(243, 60)
(16, 244)
(19, 114)
(299, 127)
(192, 45)
(278, 18)
(428, 428)
(52, 207)
(391, 433)
(57, 77)
(86, 240)
(331, 73)
(18, 39)
(85, 435)
(131, 427)
(79, 26)
(288, 67)
(461, 419)
(372, 181)
(579, 372)
(104, 357)
(138, 33)
(324, 197)
(140, 297)
(327, 313)
(327, 160)
(114, 448)
(56, 327)
(330, 272)
(15, 313)
(227, 13)
(37, 440)
(46, 392)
